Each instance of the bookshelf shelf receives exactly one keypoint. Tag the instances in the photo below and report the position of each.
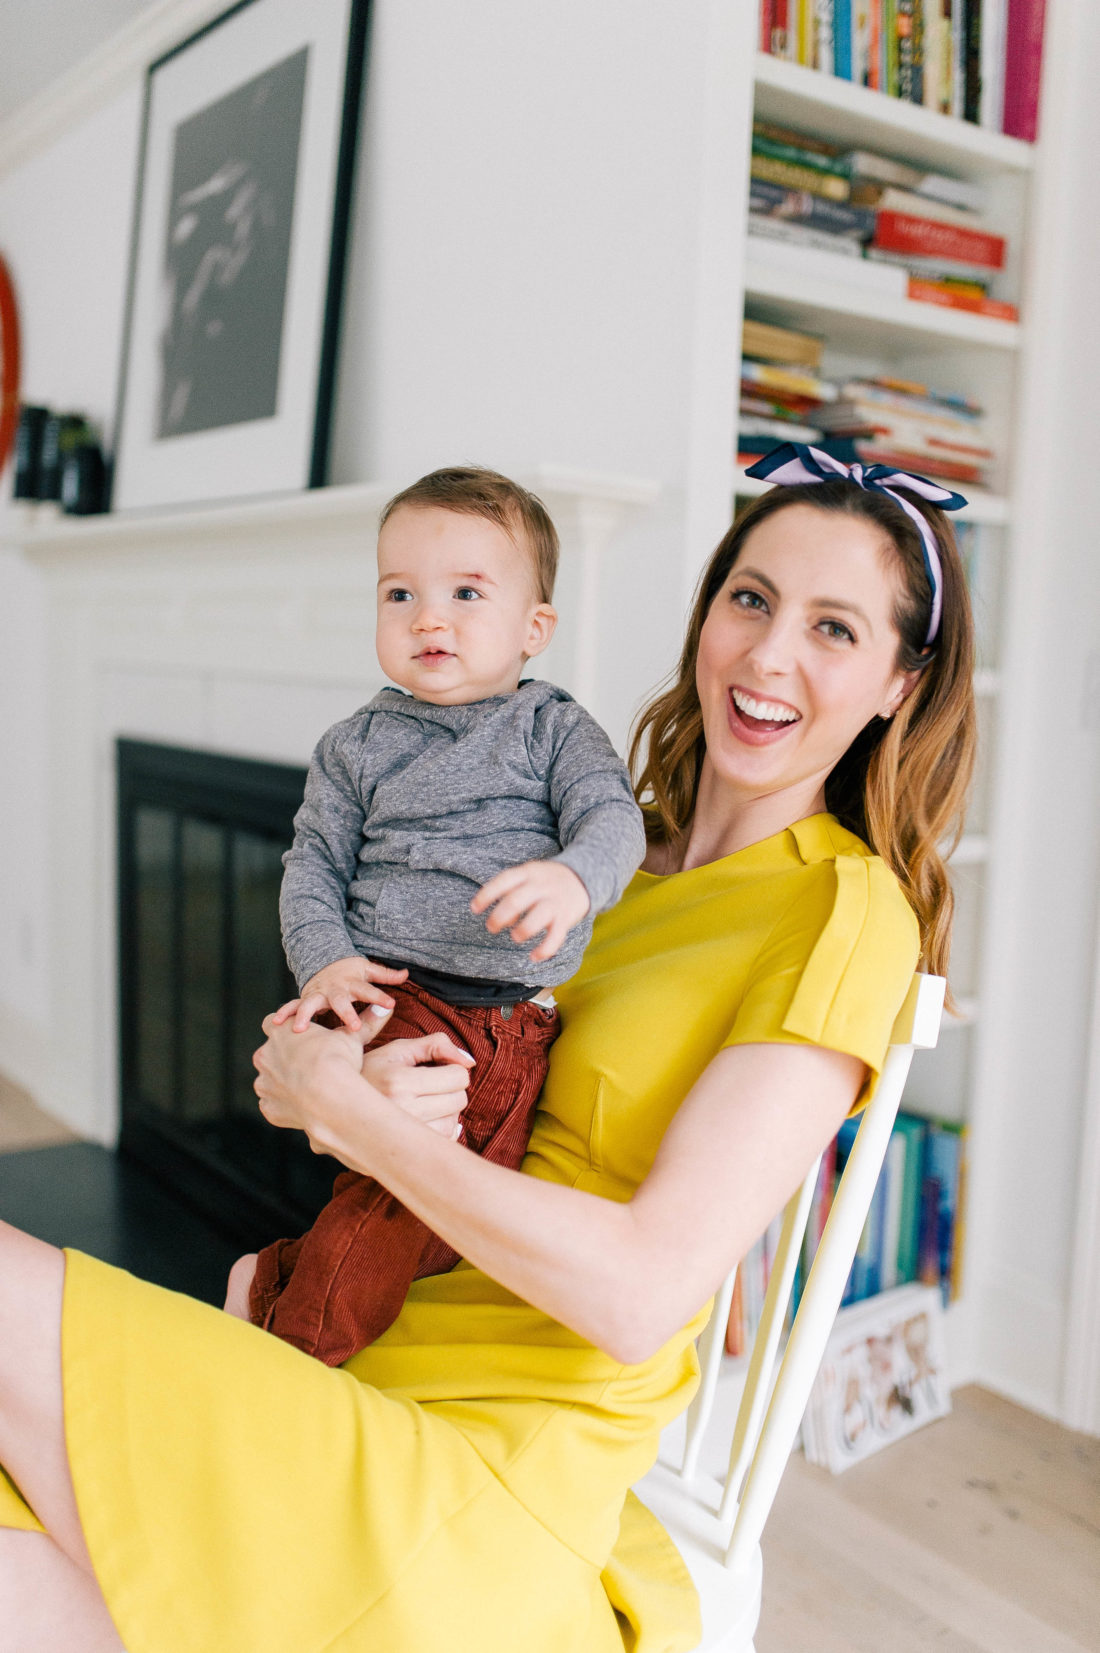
(980, 507)
(862, 320)
(794, 95)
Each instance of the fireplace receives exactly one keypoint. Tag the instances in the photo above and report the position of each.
(200, 841)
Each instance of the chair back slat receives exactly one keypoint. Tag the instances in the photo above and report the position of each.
(765, 1345)
(712, 1343)
(917, 1027)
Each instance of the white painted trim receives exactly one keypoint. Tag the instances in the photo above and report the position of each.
(1038, 390)
(1081, 1389)
(45, 535)
(108, 71)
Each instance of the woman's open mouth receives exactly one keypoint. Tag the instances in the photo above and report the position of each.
(759, 722)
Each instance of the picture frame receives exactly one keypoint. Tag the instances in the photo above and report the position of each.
(237, 257)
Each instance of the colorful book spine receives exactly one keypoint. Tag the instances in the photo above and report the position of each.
(917, 35)
(972, 68)
(903, 26)
(861, 40)
(889, 80)
(874, 47)
(781, 28)
(911, 1131)
(1023, 67)
(958, 57)
(791, 176)
(942, 1164)
(952, 298)
(777, 150)
(843, 66)
(824, 46)
(993, 64)
(901, 232)
(799, 206)
(805, 27)
(767, 23)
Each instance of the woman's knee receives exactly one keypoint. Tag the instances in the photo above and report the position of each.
(32, 1287)
(48, 1603)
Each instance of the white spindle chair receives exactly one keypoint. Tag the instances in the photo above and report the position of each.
(717, 1527)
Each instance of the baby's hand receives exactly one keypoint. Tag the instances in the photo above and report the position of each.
(537, 896)
(339, 987)
(241, 1276)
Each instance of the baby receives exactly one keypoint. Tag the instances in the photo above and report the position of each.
(468, 794)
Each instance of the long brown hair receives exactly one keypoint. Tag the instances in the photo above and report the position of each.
(902, 784)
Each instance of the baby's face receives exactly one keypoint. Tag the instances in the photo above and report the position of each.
(458, 614)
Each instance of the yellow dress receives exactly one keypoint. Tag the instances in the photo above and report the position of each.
(461, 1482)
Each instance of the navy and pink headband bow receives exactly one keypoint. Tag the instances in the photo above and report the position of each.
(796, 462)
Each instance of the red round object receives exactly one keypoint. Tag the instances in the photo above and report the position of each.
(9, 365)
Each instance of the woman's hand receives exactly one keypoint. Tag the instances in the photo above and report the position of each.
(319, 1081)
(425, 1077)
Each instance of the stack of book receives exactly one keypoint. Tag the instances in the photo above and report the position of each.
(782, 393)
(896, 422)
(861, 218)
(882, 1376)
(979, 60)
(914, 1228)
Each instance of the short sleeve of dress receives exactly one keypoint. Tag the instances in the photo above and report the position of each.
(837, 965)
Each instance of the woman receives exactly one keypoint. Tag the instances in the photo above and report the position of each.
(205, 1486)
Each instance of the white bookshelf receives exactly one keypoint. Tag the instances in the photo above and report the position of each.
(870, 332)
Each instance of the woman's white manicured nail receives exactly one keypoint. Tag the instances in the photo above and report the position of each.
(379, 1010)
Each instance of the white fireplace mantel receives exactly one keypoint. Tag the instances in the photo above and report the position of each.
(244, 628)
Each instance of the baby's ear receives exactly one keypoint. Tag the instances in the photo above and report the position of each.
(544, 622)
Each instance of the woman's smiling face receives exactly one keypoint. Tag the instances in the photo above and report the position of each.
(798, 653)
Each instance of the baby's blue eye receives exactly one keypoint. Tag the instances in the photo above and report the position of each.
(399, 595)
(467, 594)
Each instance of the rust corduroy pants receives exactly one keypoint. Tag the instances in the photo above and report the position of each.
(339, 1286)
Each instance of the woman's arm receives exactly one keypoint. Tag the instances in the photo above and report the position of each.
(624, 1276)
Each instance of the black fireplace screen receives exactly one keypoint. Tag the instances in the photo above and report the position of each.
(201, 838)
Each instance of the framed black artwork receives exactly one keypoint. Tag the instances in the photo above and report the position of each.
(237, 262)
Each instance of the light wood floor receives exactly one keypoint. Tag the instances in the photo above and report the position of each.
(23, 1125)
(978, 1534)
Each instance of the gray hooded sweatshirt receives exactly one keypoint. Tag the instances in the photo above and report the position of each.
(410, 807)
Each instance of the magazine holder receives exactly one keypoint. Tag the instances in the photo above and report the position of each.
(716, 1526)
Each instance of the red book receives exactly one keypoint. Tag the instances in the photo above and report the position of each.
(767, 11)
(1023, 67)
(931, 292)
(900, 232)
(780, 28)
(953, 470)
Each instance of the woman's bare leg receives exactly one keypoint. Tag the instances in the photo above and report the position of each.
(32, 1424)
(48, 1602)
